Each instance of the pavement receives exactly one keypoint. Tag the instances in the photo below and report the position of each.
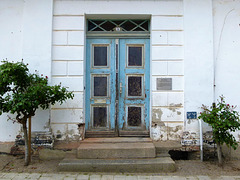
(76, 176)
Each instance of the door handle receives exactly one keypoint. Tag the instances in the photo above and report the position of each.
(120, 88)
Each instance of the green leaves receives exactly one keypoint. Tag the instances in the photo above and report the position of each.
(23, 93)
(224, 120)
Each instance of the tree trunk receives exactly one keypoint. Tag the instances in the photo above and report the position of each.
(27, 155)
(29, 139)
(219, 153)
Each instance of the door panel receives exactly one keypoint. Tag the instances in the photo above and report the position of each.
(100, 85)
(134, 81)
(117, 85)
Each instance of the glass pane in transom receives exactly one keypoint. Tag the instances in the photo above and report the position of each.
(127, 25)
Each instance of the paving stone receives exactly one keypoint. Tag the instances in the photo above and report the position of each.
(119, 177)
(34, 176)
(157, 177)
(144, 177)
(74, 176)
(236, 177)
(21, 176)
(107, 177)
(131, 177)
(47, 174)
(45, 178)
(191, 178)
(82, 177)
(10, 175)
(71, 175)
(174, 178)
(95, 177)
(69, 178)
(204, 178)
(226, 178)
(2, 174)
(52, 176)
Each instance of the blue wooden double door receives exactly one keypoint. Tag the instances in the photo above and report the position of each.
(117, 97)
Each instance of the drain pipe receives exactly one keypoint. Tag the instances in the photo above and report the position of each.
(201, 139)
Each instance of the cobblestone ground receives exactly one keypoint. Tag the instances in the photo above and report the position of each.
(68, 176)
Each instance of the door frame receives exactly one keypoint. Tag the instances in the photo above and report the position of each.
(115, 131)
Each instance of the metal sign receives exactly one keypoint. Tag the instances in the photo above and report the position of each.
(191, 115)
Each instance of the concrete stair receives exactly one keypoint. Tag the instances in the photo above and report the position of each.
(146, 165)
(128, 155)
(163, 147)
(128, 148)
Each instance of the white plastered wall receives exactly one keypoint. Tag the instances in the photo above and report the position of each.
(26, 33)
(226, 21)
(186, 38)
(10, 45)
(211, 31)
(166, 57)
(198, 61)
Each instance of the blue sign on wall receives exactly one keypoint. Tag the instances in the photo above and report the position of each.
(191, 115)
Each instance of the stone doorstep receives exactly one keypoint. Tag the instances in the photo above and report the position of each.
(130, 155)
(146, 165)
(116, 150)
(117, 140)
(161, 147)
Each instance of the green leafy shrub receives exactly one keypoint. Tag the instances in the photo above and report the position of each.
(22, 93)
(224, 119)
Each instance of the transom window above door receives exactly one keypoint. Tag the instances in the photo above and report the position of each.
(127, 25)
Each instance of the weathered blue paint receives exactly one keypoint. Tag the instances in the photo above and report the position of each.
(103, 71)
(124, 71)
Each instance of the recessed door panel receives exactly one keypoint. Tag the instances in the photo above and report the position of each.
(100, 116)
(135, 86)
(100, 55)
(134, 116)
(100, 86)
(135, 55)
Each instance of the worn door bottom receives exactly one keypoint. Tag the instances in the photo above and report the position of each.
(95, 134)
(134, 133)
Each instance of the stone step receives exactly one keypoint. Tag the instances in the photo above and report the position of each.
(163, 147)
(147, 165)
(107, 150)
(118, 147)
(117, 140)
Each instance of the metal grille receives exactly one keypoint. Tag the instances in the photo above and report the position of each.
(118, 25)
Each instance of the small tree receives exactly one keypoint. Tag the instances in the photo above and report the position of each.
(22, 93)
(223, 119)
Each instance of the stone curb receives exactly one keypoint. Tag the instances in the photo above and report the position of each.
(77, 176)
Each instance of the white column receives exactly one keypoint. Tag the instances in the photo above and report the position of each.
(198, 58)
